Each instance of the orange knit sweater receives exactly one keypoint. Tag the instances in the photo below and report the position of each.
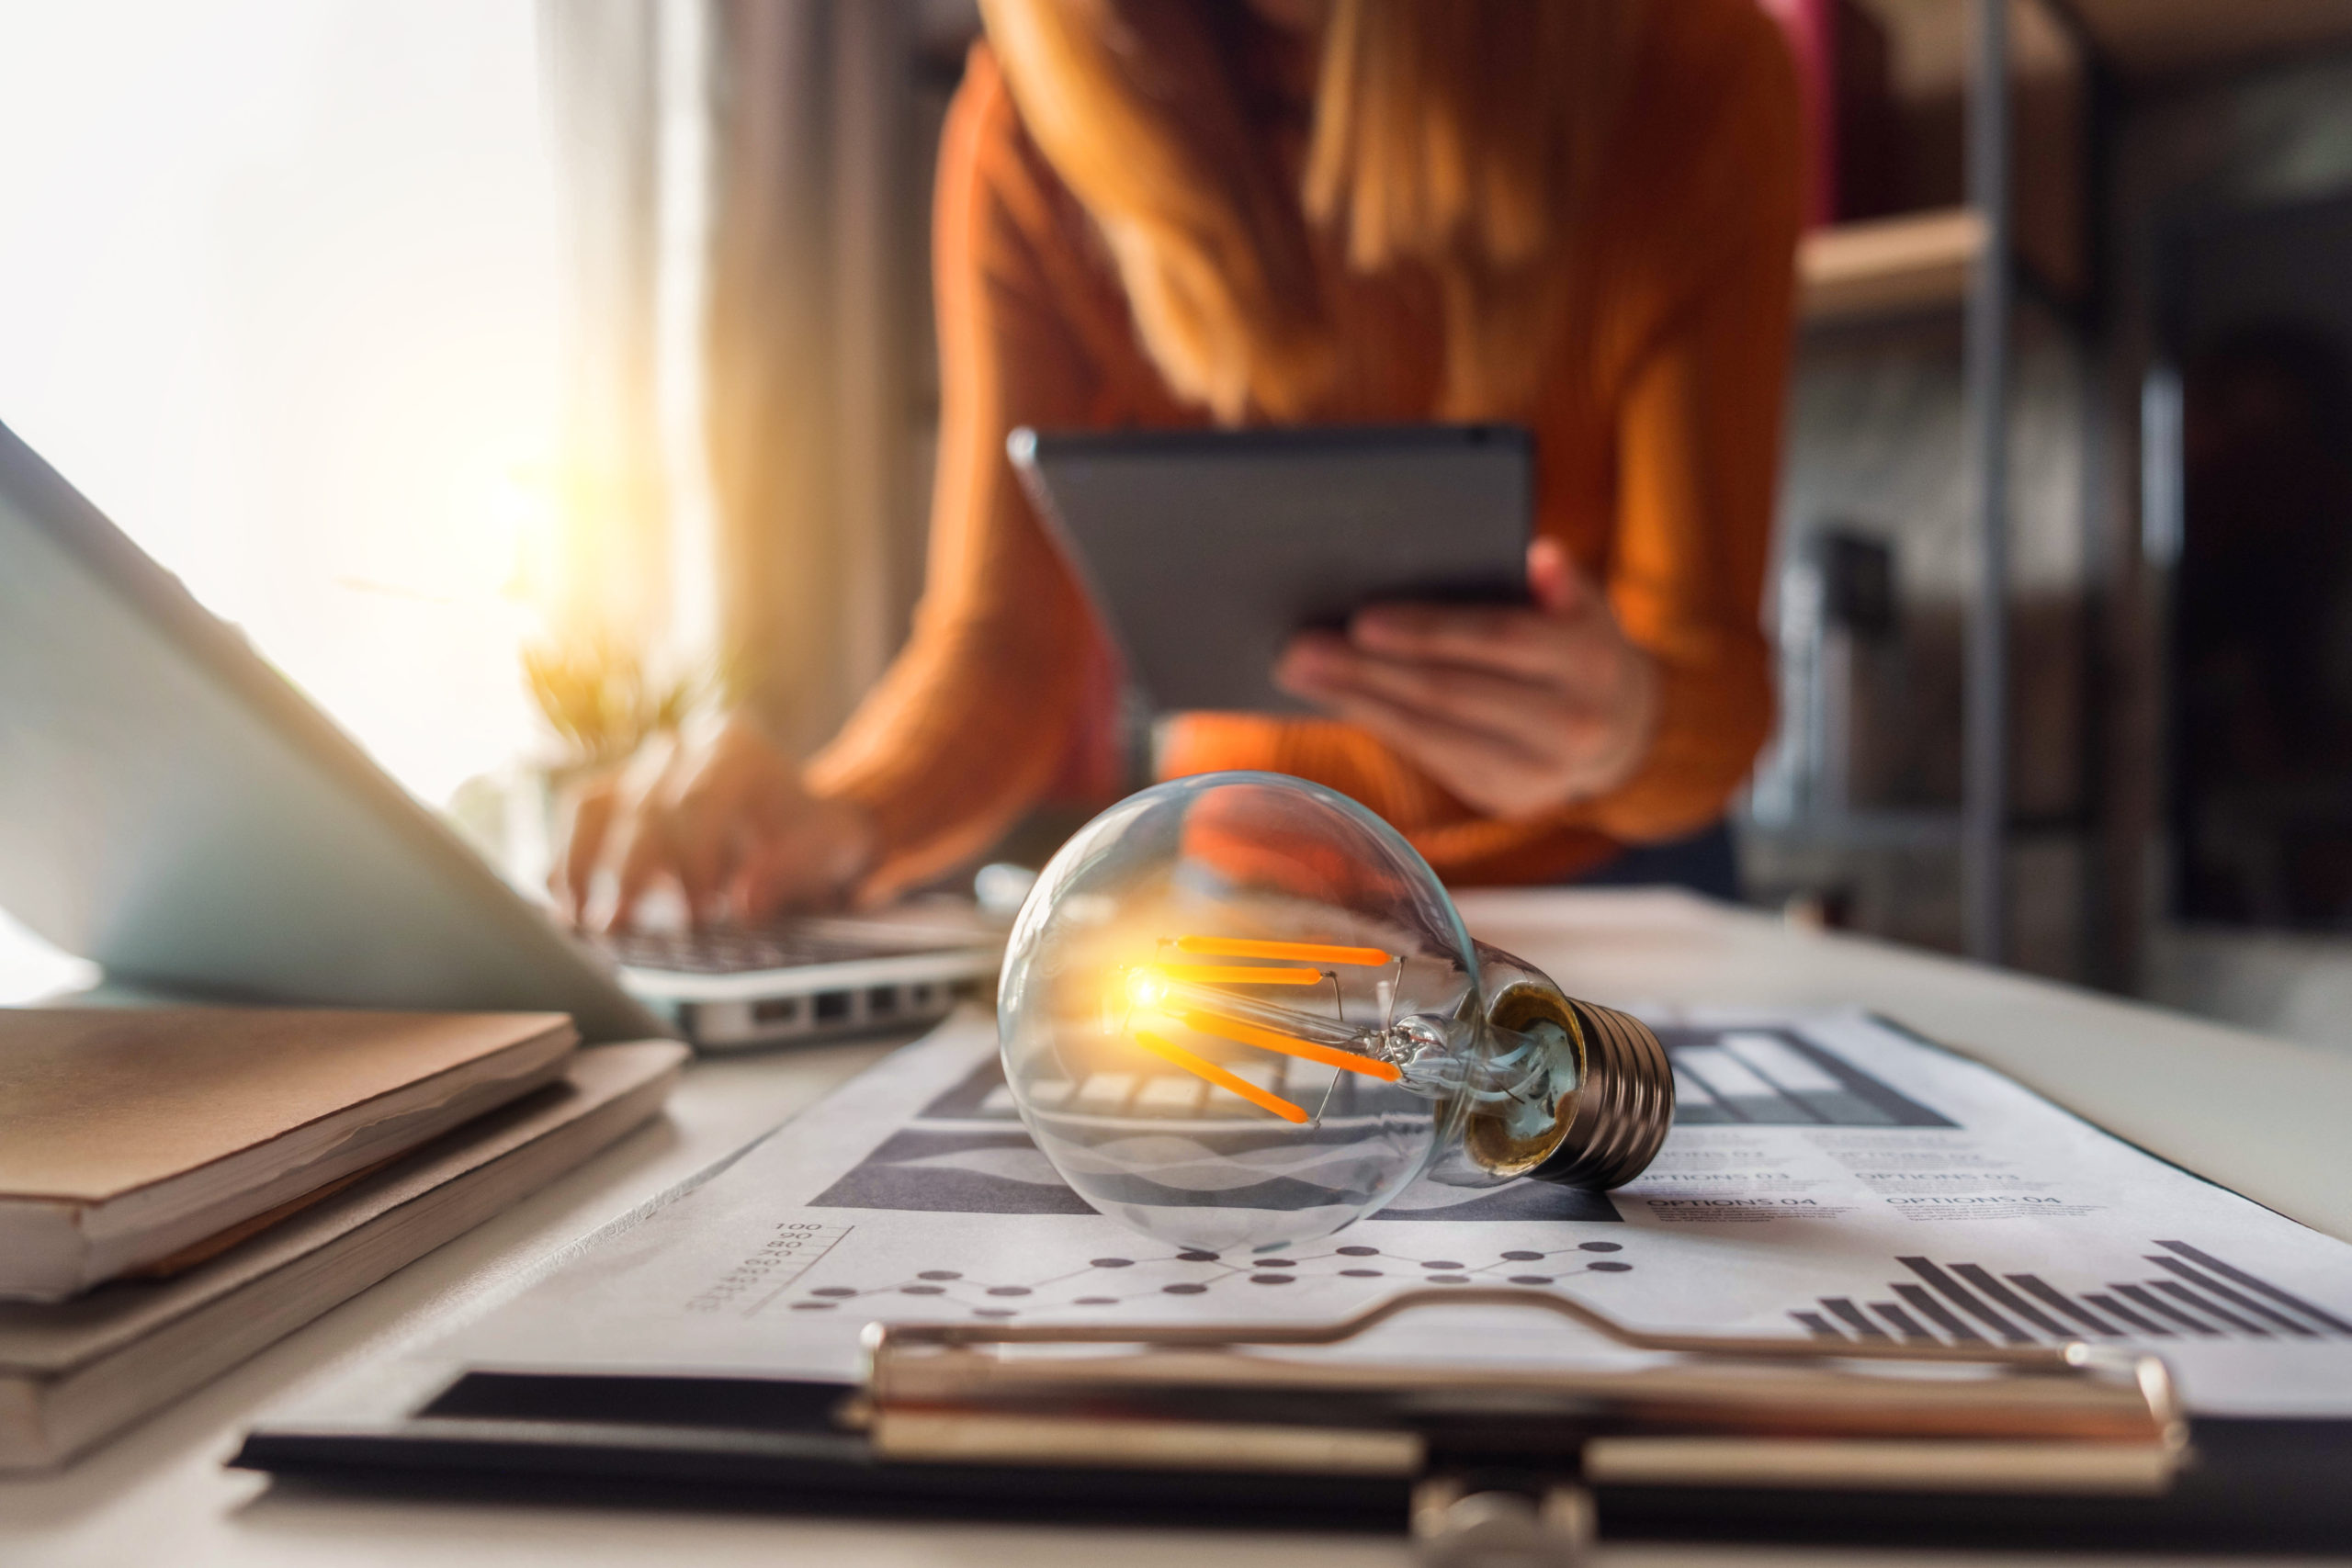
(1658, 431)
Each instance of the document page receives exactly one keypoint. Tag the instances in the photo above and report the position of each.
(1828, 1176)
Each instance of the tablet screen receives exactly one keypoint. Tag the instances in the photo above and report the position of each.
(1204, 550)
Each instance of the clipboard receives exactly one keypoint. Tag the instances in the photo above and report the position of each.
(1506, 1459)
(1708, 1437)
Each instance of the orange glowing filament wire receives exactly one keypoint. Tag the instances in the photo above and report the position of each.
(1305, 951)
(1236, 974)
(1266, 1039)
(1200, 1066)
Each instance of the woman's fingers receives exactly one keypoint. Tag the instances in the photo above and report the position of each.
(1557, 584)
(642, 856)
(771, 879)
(1484, 765)
(1507, 639)
(1510, 747)
(808, 851)
(1514, 709)
(1485, 771)
(723, 816)
(1553, 641)
(1522, 712)
(766, 873)
(637, 850)
(592, 817)
(706, 828)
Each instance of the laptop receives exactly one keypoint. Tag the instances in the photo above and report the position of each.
(175, 809)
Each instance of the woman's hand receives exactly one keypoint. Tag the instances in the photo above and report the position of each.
(724, 817)
(1516, 711)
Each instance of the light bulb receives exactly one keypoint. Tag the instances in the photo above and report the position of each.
(1239, 1013)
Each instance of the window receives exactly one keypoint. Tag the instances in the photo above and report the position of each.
(279, 292)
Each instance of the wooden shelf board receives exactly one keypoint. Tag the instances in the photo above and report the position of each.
(2156, 38)
(1888, 265)
(2144, 39)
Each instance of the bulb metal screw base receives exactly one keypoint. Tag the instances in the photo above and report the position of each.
(1625, 1107)
(1605, 1130)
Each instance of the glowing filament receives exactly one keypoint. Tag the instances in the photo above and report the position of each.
(1200, 1066)
(1176, 993)
(1304, 952)
(1234, 975)
(1242, 1034)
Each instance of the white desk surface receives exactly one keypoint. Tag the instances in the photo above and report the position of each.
(2263, 1117)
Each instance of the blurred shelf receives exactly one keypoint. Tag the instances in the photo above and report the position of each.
(2161, 37)
(1888, 265)
(1864, 829)
(2141, 40)
(1899, 827)
(1898, 267)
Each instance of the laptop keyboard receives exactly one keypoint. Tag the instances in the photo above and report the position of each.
(740, 950)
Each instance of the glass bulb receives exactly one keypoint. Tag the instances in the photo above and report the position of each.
(1239, 1012)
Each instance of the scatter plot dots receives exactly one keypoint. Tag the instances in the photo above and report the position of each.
(1372, 1271)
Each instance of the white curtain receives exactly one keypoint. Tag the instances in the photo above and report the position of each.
(607, 574)
(747, 246)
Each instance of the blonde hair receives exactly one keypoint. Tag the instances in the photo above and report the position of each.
(1455, 135)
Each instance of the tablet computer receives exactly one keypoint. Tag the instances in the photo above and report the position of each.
(1204, 550)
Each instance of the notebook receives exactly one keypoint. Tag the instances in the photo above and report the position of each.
(71, 1372)
(131, 1137)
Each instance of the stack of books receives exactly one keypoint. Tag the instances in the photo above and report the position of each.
(181, 1186)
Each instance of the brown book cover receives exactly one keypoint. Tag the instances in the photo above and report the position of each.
(73, 1371)
(129, 1135)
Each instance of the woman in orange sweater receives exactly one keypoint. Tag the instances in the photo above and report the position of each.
(1579, 216)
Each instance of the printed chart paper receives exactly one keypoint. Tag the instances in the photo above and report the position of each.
(1828, 1176)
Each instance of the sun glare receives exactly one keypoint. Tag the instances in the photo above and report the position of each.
(278, 291)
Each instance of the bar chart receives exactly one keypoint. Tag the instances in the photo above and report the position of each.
(2187, 1294)
(1762, 1077)
(1776, 1078)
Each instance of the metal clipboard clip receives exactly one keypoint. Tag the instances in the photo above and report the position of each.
(1503, 1458)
